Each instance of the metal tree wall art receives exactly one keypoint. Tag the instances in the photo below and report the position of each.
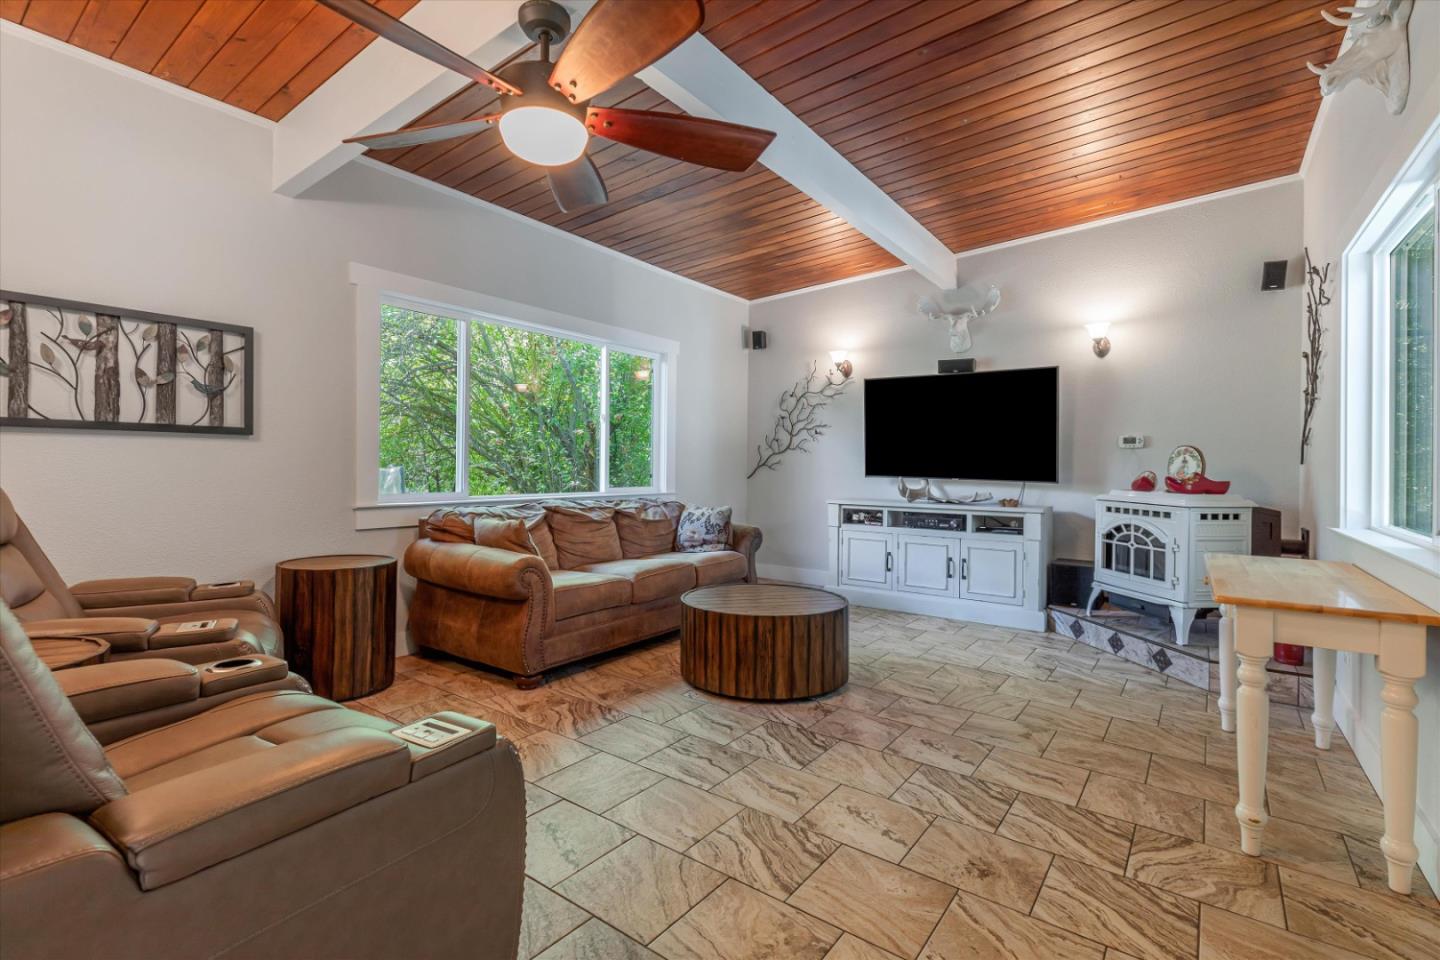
(798, 424)
(1316, 299)
(70, 364)
(1378, 52)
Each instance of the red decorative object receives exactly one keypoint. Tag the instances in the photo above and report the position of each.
(1145, 482)
(1290, 654)
(1201, 484)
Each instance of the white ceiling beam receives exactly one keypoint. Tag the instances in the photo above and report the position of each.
(385, 87)
(701, 80)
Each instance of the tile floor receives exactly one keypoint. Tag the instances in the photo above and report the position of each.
(973, 792)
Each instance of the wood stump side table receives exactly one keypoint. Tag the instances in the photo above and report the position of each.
(764, 642)
(338, 615)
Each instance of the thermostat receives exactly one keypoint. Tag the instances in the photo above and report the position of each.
(1132, 441)
(430, 732)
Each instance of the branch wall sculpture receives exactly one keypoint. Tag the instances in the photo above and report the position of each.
(798, 424)
(1316, 299)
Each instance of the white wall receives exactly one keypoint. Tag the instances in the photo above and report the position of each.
(118, 192)
(1200, 355)
(1357, 149)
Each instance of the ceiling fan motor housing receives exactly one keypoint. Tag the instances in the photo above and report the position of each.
(533, 77)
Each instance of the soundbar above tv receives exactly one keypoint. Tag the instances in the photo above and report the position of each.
(1000, 425)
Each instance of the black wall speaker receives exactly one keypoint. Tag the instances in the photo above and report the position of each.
(962, 365)
(758, 340)
(1273, 277)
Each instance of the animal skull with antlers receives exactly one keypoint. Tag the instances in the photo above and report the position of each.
(1378, 53)
(957, 308)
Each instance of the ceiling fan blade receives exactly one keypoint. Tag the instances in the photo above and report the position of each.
(426, 133)
(618, 38)
(380, 22)
(577, 185)
(710, 143)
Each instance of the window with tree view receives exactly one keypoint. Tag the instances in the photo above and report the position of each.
(475, 407)
(1412, 377)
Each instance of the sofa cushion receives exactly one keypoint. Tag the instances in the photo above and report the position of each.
(648, 528)
(505, 534)
(577, 592)
(544, 540)
(651, 578)
(720, 566)
(584, 535)
(450, 526)
(703, 530)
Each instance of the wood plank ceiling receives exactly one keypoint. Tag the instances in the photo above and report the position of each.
(987, 120)
(264, 56)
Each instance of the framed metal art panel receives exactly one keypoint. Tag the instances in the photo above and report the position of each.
(64, 363)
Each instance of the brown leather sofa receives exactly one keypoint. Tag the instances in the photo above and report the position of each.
(130, 613)
(594, 575)
(274, 825)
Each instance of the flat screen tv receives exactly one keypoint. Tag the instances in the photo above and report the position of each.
(997, 425)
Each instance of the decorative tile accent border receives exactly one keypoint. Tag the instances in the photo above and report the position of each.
(1190, 665)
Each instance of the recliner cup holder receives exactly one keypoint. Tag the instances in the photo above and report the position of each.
(230, 666)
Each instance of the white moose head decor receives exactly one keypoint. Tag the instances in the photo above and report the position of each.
(957, 308)
(1378, 51)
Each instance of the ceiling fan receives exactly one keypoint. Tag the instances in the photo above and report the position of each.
(545, 117)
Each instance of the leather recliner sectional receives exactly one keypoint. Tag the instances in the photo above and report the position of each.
(130, 613)
(276, 824)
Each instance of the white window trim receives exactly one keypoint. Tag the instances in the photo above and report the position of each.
(374, 286)
(1364, 370)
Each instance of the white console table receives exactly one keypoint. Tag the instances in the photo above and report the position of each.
(978, 562)
(1330, 607)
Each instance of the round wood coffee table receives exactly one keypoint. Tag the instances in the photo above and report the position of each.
(764, 642)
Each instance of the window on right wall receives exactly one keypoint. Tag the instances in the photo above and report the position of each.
(1390, 465)
(1405, 375)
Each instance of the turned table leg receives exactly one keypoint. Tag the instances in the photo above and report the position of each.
(1227, 669)
(1323, 718)
(1252, 734)
(1401, 663)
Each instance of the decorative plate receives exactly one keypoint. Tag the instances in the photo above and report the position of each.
(1186, 463)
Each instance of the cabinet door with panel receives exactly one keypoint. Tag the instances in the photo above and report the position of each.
(867, 559)
(992, 571)
(926, 565)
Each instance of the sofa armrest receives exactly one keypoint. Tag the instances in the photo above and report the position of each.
(131, 591)
(488, 571)
(746, 540)
(179, 827)
(104, 691)
(124, 634)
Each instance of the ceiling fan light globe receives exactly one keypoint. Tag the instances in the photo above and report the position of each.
(544, 136)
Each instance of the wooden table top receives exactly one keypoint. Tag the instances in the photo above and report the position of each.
(57, 653)
(763, 600)
(336, 561)
(1311, 586)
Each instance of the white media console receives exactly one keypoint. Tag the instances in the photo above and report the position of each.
(976, 562)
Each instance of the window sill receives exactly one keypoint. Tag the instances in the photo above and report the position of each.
(1422, 558)
(394, 514)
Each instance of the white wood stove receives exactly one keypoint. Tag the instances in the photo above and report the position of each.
(1152, 546)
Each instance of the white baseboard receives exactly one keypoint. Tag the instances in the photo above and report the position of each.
(806, 575)
(1366, 744)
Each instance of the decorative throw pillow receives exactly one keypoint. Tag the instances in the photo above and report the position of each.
(544, 541)
(505, 534)
(583, 535)
(703, 530)
(648, 528)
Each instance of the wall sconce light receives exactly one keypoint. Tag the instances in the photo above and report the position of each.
(1099, 338)
(843, 366)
